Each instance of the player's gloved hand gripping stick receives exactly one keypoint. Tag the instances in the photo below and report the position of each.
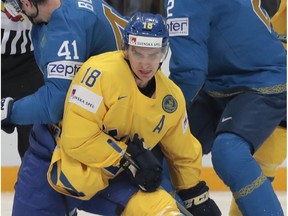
(131, 165)
(141, 165)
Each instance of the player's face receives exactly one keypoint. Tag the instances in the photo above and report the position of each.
(144, 63)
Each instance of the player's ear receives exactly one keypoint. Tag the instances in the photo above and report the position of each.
(23, 2)
(126, 53)
(26, 3)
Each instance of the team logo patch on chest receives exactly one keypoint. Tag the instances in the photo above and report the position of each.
(169, 104)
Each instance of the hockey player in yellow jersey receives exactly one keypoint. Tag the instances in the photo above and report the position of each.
(123, 96)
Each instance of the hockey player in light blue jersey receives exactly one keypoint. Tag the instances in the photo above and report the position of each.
(64, 35)
(63, 40)
(230, 49)
(207, 31)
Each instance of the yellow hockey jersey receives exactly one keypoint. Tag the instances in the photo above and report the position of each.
(104, 102)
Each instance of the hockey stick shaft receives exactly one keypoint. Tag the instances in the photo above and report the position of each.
(130, 160)
(122, 153)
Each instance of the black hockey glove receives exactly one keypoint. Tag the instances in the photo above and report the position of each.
(148, 173)
(6, 107)
(197, 201)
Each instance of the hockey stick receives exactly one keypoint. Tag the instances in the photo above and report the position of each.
(130, 160)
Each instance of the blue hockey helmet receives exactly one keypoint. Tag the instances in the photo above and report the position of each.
(146, 30)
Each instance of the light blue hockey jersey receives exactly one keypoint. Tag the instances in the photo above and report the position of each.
(77, 30)
(231, 43)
